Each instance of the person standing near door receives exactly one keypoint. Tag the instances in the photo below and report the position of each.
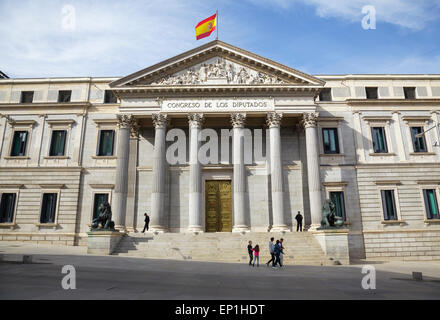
(299, 222)
(147, 222)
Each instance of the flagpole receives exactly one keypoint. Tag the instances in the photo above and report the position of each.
(216, 24)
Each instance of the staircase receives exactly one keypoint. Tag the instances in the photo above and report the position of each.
(301, 248)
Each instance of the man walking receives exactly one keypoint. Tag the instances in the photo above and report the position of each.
(299, 222)
(271, 249)
(251, 253)
(147, 222)
(277, 252)
(281, 252)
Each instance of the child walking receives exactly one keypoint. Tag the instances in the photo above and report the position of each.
(256, 251)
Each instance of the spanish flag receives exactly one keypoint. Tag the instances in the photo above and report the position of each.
(205, 27)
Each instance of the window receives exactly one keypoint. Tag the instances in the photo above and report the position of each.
(379, 140)
(27, 97)
(58, 143)
(48, 208)
(431, 204)
(410, 92)
(105, 142)
(19, 142)
(330, 140)
(419, 143)
(110, 97)
(64, 96)
(337, 198)
(99, 199)
(371, 92)
(7, 206)
(388, 205)
(325, 95)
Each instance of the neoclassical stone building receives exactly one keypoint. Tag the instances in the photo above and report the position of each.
(279, 141)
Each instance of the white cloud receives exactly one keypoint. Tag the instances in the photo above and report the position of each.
(112, 38)
(412, 14)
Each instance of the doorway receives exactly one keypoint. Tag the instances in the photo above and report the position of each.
(218, 205)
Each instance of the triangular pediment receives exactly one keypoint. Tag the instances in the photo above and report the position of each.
(217, 63)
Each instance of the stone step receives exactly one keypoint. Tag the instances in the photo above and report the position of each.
(220, 247)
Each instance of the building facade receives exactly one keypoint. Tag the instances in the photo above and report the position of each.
(219, 139)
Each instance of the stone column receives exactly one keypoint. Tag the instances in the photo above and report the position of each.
(276, 172)
(312, 149)
(120, 195)
(130, 219)
(195, 174)
(157, 218)
(239, 183)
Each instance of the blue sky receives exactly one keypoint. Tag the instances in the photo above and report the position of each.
(116, 38)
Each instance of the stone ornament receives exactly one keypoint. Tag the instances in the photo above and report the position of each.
(160, 120)
(219, 70)
(310, 119)
(104, 219)
(238, 120)
(125, 121)
(195, 120)
(273, 119)
(134, 130)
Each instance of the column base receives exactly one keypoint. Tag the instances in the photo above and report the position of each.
(241, 228)
(313, 227)
(121, 228)
(280, 228)
(195, 229)
(157, 229)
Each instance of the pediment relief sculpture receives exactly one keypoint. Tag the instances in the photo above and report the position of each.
(219, 72)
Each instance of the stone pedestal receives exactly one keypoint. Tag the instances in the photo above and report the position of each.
(334, 243)
(103, 242)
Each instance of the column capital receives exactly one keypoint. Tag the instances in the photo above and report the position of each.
(134, 129)
(238, 120)
(125, 121)
(310, 119)
(160, 120)
(273, 119)
(195, 120)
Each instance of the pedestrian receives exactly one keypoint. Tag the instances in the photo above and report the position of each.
(251, 253)
(147, 222)
(256, 255)
(277, 252)
(282, 251)
(271, 248)
(299, 222)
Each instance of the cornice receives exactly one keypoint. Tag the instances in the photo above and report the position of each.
(388, 102)
(46, 104)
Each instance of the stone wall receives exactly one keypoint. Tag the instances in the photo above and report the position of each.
(405, 244)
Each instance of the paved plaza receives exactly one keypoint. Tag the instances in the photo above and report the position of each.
(112, 277)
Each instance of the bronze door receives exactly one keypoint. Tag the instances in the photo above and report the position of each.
(218, 209)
